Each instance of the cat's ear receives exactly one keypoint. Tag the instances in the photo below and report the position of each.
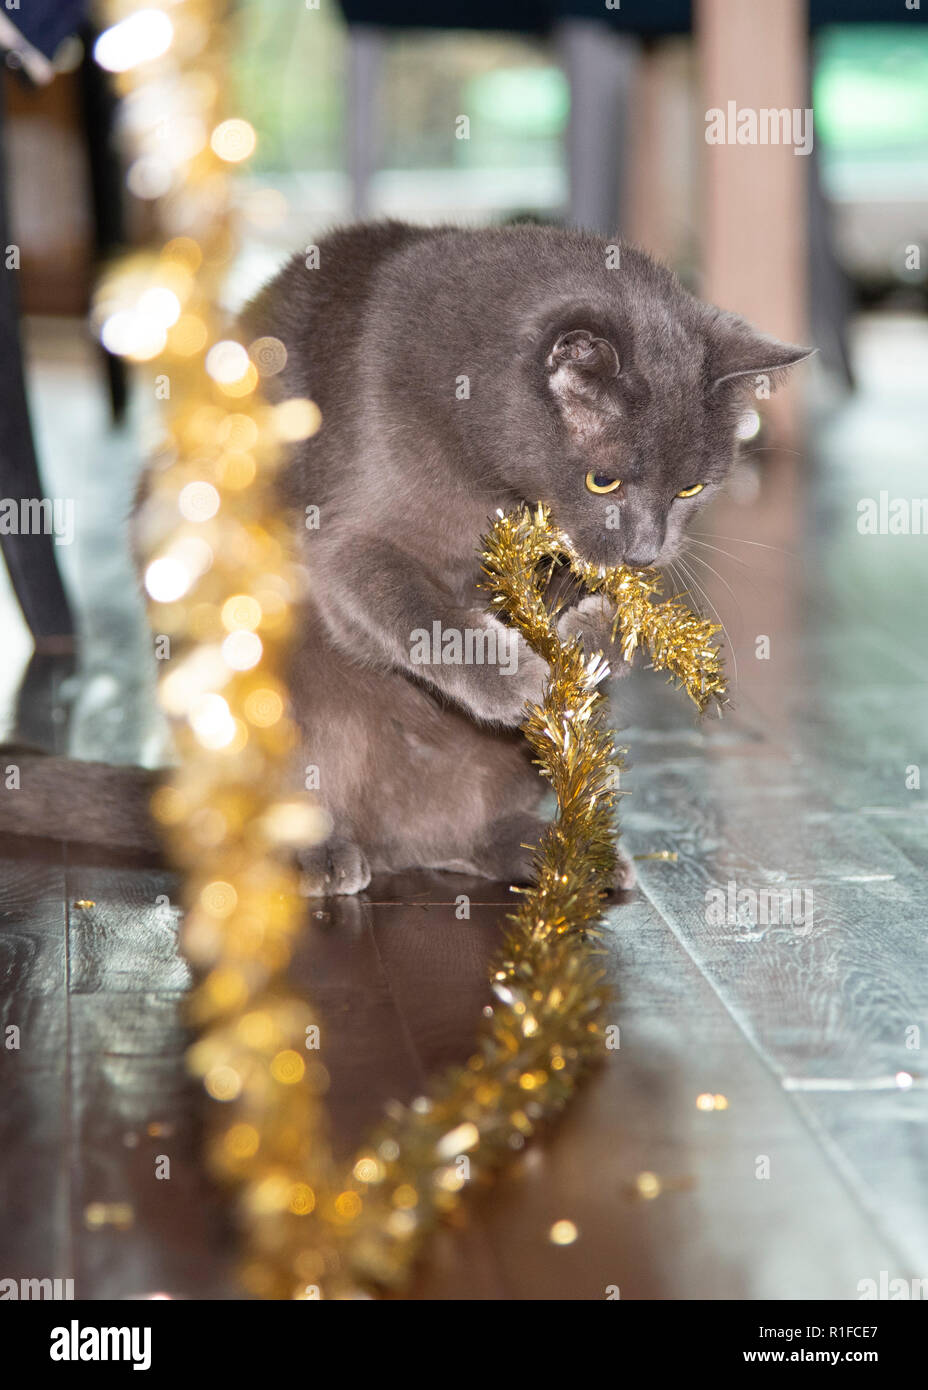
(737, 352)
(580, 366)
(583, 358)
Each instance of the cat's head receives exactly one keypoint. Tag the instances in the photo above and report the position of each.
(643, 409)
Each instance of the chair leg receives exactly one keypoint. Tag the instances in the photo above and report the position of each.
(600, 67)
(98, 104)
(365, 51)
(30, 559)
(830, 294)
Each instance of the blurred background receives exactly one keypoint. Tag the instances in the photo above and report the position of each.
(363, 119)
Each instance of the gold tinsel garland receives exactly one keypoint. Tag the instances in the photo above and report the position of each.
(678, 640)
(224, 586)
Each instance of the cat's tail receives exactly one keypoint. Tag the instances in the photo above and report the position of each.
(62, 799)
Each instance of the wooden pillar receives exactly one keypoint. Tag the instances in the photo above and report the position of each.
(754, 234)
(662, 176)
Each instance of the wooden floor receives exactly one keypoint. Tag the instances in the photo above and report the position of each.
(808, 1181)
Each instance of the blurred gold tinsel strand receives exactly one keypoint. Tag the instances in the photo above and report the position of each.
(224, 583)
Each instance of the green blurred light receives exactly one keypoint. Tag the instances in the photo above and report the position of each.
(871, 88)
(524, 101)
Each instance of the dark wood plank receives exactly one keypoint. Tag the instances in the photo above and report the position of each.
(122, 930)
(834, 1000)
(716, 1230)
(134, 1105)
(35, 1233)
(879, 1142)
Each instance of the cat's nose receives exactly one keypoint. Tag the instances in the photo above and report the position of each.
(640, 559)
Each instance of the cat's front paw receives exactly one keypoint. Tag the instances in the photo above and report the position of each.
(499, 695)
(337, 867)
(625, 876)
(591, 620)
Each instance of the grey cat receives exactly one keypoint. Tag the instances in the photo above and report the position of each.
(460, 373)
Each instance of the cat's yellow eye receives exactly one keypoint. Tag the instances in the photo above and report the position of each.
(691, 491)
(597, 482)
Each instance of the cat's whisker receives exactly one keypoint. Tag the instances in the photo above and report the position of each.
(768, 449)
(683, 584)
(746, 578)
(712, 570)
(718, 617)
(681, 588)
(721, 551)
(739, 540)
